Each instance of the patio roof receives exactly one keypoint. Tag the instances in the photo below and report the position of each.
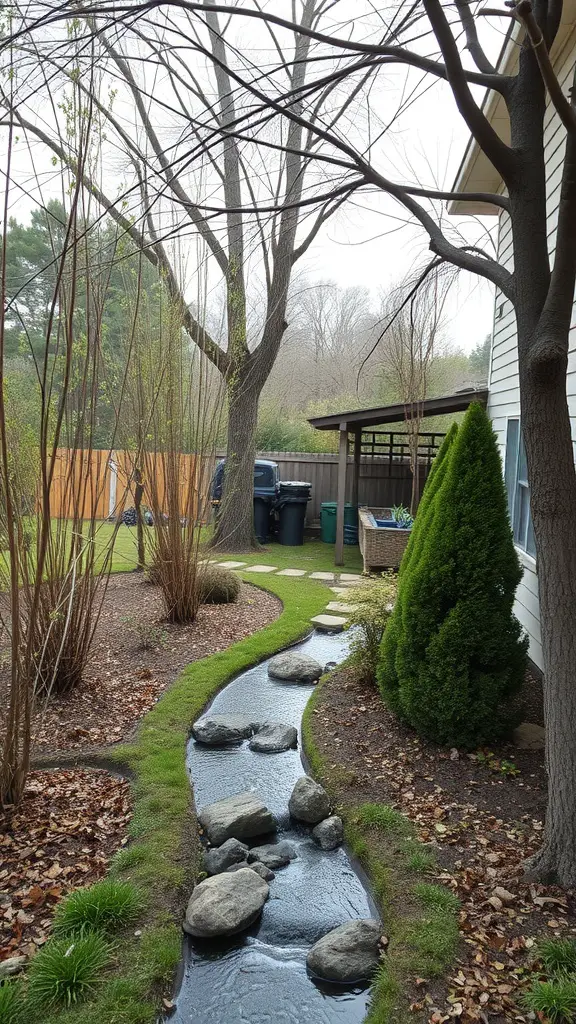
(359, 418)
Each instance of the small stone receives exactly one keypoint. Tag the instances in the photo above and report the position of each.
(504, 894)
(329, 623)
(220, 858)
(266, 873)
(273, 855)
(273, 737)
(225, 904)
(293, 667)
(529, 736)
(329, 833)
(329, 667)
(348, 953)
(309, 802)
(242, 816)
(13, 965)
(219, 730)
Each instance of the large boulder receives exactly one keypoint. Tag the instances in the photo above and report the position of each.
(242, 816)
(221, 857)
(293, 667)
(274, 737)
(225, 904)
(217, 730)
(348, 953)
(329, 833)
(309, 802)
(273, 855)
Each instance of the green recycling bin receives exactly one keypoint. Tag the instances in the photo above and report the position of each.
(328, 510)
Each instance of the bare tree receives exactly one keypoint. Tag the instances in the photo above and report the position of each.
(194, 169)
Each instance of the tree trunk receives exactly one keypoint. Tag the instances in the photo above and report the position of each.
(234, 530)
(548, 443)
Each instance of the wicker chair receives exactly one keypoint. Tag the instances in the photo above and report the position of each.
(382, 547)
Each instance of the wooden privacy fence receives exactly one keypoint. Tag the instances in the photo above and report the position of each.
(105, 481)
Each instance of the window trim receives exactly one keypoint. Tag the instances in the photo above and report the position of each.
(525, 556)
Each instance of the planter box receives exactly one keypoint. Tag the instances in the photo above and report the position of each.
(382, 547)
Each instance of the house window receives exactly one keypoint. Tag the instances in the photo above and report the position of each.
(516, 477)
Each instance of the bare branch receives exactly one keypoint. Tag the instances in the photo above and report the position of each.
(472, 42)
(564, 108)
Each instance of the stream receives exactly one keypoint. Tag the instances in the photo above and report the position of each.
(260, 976)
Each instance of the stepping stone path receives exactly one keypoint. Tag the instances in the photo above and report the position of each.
(339, 606)
(328, 576)
(329, 623)
(291, 572)
(231, 565)
(261, 568)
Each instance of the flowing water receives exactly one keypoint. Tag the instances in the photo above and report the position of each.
(260, 976)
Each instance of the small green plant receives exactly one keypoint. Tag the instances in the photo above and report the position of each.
(66, 970)
(419, 859)
(374, 601)
(384, 817)
(554, 1000)
(217, 585)
(402, 517)
(558, 956)
(11, 1003)
(497, 764)
(104, 906)
(149, 635)
(437, 897)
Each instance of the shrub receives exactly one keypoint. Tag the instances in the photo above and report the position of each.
(387, 674)
(558, 956)
(106, 905)
(149, 635)
(11, 1003)
(217, 585)
(461, 654)
(66, 970)
(374, 601)
(554, 1001)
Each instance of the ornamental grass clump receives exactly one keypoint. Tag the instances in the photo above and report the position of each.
(217, 586)
(12, 1007)
(103, 906)
(461, 653)
(67, 970)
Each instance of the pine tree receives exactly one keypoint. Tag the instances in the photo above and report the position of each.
(461, 654)
(387, 674)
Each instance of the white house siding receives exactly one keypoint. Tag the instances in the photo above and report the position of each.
(504, 396)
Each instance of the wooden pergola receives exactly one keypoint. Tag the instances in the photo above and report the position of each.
(355, 422)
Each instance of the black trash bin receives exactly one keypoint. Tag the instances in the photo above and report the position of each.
(262, 508)
(293, 496)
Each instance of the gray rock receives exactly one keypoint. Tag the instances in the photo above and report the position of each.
(259, 868)
(329, 833)
(293, 667)
(225, 904)
(217, 730)
(329, 667)
(273, 737)
(242, 816)
(273, 855)
(221, 857)
(529, 736)
(13, 965)
(309, 802)
(348, 953)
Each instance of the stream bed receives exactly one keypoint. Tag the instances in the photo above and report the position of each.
(260, 976)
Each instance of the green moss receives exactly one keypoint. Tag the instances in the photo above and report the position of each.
(164, 857)
(419, 918)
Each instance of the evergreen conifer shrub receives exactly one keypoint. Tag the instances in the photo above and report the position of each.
(461, 653)
(387, 674)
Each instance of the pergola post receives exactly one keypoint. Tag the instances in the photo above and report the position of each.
(357, 454)
(341, 498)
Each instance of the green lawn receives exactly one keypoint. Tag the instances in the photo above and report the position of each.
(313, 554)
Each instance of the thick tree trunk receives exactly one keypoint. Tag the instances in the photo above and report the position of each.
(234, 529)
(548, 442)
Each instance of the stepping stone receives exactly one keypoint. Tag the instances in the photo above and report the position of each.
(339, 606)
(339, 591)
(261, 568)
(329, 623)
(273, 737)
(322, 576)
(231, 565)
(291, 572)
(215, 730)
(350, 577)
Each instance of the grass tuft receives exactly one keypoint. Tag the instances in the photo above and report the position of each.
(107, 905)
(11, 1002)
(558, 956)
(554, 1000)
(385, 818)
(67, 970)
(437, 897)
(418, 858)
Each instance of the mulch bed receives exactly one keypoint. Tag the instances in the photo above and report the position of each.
(71, 822)
(62, 836)
(123, 681)
(483, 814)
